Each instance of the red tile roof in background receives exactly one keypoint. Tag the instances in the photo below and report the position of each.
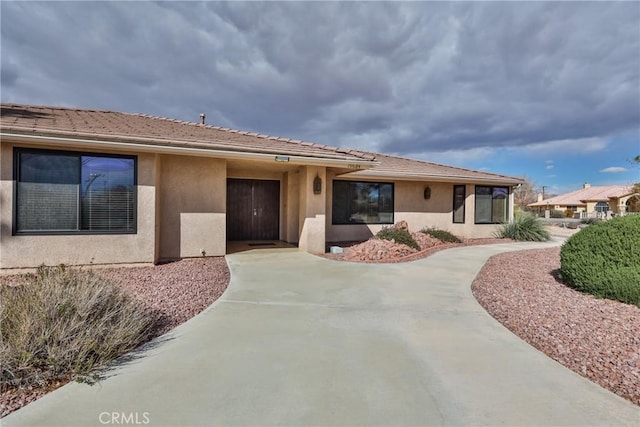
(591, 194)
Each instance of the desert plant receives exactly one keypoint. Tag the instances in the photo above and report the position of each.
(398, 235)
(524, 227)
(62, 322)
(604, 259)
(442, 235)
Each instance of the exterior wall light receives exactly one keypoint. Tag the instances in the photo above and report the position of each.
(427, 192)
(282, 158)
(317, 185)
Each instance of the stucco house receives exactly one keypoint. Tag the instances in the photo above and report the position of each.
(86, 186)
(593, 201)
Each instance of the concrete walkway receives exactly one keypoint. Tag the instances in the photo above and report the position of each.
(298, 340)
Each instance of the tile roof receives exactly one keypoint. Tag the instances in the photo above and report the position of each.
(112, 125)
(393, 166)
(590, 194)
(103, 125)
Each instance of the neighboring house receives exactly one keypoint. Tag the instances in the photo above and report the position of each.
(590, 202)
(85, 186)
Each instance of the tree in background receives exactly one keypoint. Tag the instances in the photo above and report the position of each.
(636, 186)
(524, 194)
(633, 204)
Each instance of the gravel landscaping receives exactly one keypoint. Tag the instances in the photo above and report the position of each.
(597, 338)
(377, 250)
(177, 291)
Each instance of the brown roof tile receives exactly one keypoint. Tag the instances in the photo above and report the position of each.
(133, 127)
(422, 170)
(95, 124)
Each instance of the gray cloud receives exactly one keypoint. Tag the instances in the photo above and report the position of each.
(392, 77)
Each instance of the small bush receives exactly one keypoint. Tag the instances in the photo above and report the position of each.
(557, 214)
(63, 322)
(442, 235)
(604, 260)
(399, 235)
(590, 221)
(568, 213)
(524, 227)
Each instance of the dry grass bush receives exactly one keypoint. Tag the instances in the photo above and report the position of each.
(63, 322)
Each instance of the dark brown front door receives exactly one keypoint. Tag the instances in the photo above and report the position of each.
(253, 209)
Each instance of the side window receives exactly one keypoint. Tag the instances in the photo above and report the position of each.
(459, 196)
(492, 204)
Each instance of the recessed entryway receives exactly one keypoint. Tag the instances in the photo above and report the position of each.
(262, 245)
(253, 209)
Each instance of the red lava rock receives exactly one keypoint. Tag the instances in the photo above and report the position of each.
(386, 251)
(597, 338)
(401, 225)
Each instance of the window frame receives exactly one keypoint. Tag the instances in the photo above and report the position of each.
(475, 205)
(43, 151)
(464, 204)
(601, 207)
(393, 201)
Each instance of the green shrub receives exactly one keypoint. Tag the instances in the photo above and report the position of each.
(399, 235)
(604, 260)
(62, 322)
(590, 221)
(524, 227)
(442, 235)
(555, 213)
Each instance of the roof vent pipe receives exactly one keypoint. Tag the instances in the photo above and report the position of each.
(202, 117)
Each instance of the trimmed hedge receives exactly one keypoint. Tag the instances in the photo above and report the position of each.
(399, 235)
(604, 260)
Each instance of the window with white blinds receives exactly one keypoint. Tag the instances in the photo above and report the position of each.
(62, 192)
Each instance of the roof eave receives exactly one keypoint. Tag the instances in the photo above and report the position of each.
(372, 173)
(349, 163)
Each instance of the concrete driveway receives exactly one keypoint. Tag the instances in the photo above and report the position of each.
(299, 340)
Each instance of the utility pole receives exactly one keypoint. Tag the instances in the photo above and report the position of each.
(543, 188)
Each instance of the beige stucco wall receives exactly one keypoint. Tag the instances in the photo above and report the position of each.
(291, 196)
(410, 206)
(312, 212)
(634, 204)
(30, 251)
(193, 196)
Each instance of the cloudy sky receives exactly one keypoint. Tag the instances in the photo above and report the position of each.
(546, 90)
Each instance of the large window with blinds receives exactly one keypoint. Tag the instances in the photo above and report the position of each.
(59, 192)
